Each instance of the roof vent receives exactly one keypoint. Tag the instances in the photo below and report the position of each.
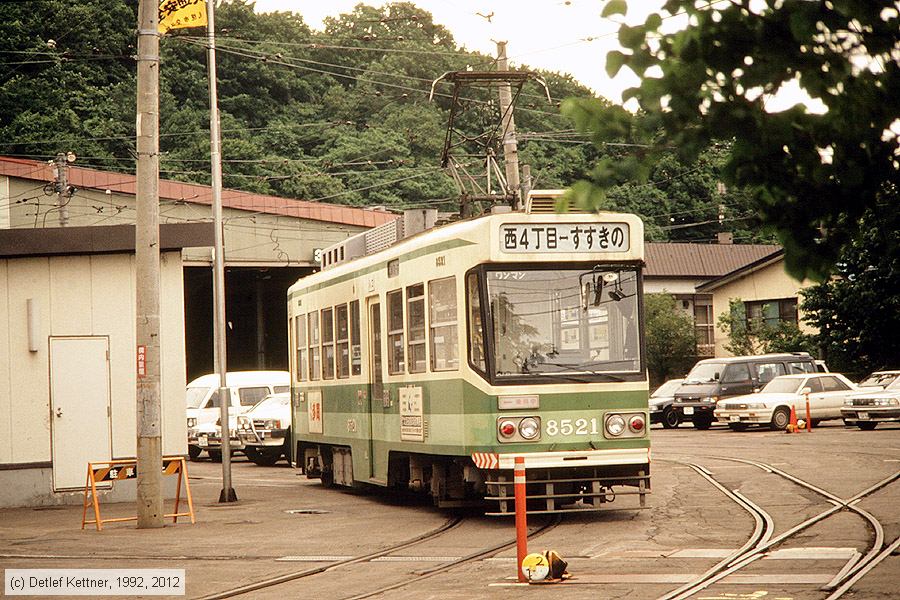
(544, 202)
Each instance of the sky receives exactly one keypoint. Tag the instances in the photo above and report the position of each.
(567, 36)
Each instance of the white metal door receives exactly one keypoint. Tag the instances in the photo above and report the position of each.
(79, 407)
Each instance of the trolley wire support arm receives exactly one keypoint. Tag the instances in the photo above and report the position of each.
(486, 144)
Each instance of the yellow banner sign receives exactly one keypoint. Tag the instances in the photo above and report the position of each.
(177, 14)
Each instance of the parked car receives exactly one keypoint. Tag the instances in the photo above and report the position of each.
(879, 379)
(246, 389)
(867, 410)
(265, 430)
(209, 438)
(713, 379)
(772, 405)
(661, 399)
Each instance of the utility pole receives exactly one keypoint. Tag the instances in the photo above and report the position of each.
(62, 188)
(227, 494)
(526, 182)
(510, 147)
(146, 251)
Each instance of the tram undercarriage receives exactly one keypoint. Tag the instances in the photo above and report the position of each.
(455, 482)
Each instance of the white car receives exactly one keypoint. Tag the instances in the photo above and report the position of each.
(867, 409)
(265, 430)
(772, 404)
(246, 388)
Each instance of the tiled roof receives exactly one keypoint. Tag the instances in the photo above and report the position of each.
(705, 261)
(199, 194)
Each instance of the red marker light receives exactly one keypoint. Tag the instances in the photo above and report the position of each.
(507, 428)
(636, 424)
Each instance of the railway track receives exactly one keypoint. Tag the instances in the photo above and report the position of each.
(764, 538)
(419, 575)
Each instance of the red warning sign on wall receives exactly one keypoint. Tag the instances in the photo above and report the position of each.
(141, 362)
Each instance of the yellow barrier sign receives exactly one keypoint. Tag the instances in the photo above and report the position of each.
(118, 470)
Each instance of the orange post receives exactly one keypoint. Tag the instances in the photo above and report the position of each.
(521, 520)
(808, 418)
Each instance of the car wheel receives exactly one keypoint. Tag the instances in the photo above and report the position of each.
(670, 418)
(264, 457)
(194, 452)
(215, 455)
(780, 419)
(738, 426)
(866, 425)
(702, 422)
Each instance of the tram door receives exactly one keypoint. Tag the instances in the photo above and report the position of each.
(376, 380)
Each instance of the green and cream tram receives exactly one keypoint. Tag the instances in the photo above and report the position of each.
(431, 363)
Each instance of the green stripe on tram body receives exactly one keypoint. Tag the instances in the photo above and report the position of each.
(458, 419)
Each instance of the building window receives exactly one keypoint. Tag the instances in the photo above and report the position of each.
(771, 312)
(704, 326)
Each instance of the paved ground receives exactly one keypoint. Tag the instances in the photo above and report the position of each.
(285, 524)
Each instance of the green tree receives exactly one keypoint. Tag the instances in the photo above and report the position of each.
(758, 336)
(857, 312)
(811, 175)
(671, 340)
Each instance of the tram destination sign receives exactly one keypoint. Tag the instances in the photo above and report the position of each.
(522, 238)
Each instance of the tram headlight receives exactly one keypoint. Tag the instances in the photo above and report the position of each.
(636, 424)
(529, 428)
(507, 428)
(615, 425)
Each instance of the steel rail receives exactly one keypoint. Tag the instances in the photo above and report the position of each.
(761, 519)
(426, 573)
(855, 568)
(849, 570)
(273, 581)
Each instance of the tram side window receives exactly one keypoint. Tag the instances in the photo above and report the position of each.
(442, 307)
(327, 343)
(476, 332)
(315, 364)
(300, 341)
(343, 341)
(395, 332)
(355, 351)
(415, 316)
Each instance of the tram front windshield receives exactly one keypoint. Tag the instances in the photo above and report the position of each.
(564, 321)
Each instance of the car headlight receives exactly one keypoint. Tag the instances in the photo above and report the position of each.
(529, 428)
(711, 399)
(191, 422)
(272, 424)
(615, 425)
(886, 402)
(848, 402)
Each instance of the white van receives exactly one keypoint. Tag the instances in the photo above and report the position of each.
(246, 389)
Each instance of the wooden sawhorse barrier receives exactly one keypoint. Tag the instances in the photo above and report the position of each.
(118, 470)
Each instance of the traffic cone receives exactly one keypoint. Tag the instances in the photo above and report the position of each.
(792, 427)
